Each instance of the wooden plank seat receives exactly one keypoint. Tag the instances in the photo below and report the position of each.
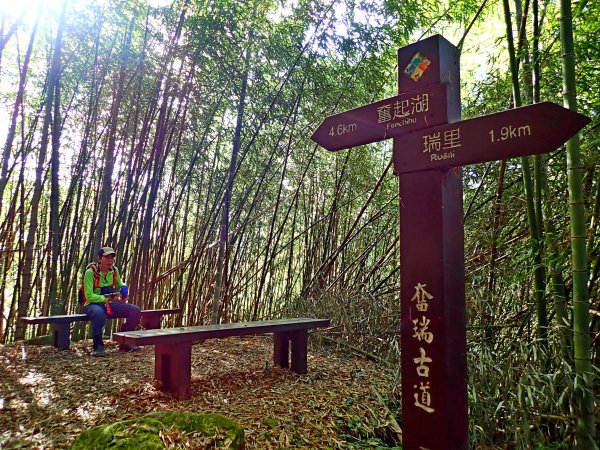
(61, 335)
(173, 346)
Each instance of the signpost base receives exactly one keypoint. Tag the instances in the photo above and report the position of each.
(433, 335)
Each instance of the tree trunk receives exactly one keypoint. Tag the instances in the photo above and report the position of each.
(586, 428)
(15, 114)
(55, 235)
(487, 315)
(222, 258)
(544, 213)
(27, 287)
(535, 233)
(109, 155)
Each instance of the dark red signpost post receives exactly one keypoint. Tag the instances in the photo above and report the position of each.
(430, 145)
(433, 334)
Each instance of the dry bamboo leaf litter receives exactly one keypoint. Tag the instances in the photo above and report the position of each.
(48, 397)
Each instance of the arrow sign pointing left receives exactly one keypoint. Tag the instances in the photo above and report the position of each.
(529, 130)
(384, 119)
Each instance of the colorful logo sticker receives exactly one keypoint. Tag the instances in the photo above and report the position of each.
(417, 66)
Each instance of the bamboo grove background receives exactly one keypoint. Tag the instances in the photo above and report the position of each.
(179, 135)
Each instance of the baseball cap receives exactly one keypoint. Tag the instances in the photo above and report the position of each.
(106, 251)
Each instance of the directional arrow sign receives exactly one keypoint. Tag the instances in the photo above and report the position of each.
(384, 119)
(528, 130)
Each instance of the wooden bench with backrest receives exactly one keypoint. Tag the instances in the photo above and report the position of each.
(173, 346)
(61, 335)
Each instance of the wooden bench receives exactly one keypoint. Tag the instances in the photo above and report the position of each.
(173, 346)
(61, 336)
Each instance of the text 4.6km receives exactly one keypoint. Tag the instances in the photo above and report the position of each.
(342, 128)
(509, 132)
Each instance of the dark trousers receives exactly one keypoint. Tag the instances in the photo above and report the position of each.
(98, 316)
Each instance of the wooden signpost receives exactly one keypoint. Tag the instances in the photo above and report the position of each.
(383, 119)
(529, 130)
(428, 155)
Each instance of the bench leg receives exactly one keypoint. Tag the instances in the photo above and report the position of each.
(299, 350)
(61, 336)
(151, 322)
(173, 368)
(281, 349)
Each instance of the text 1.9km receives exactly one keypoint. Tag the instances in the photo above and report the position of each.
(509, 132)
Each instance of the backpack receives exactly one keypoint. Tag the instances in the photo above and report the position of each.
(96, 270)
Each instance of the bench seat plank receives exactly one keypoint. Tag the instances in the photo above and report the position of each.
(182, 334)
(61, 337)
(67, 318)
(173, 346)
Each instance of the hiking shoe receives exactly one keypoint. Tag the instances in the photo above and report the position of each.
(99, 351)
(129, 348)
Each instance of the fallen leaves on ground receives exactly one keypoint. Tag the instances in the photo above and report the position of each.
(47, 397)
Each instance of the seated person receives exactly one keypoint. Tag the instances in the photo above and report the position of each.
(104, 295)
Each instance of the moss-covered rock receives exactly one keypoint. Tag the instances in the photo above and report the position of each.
(164, 430)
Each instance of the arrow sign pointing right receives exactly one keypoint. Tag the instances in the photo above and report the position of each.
(528, 130)
(383, 119)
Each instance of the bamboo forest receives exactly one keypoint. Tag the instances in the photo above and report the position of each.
(175, 136)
